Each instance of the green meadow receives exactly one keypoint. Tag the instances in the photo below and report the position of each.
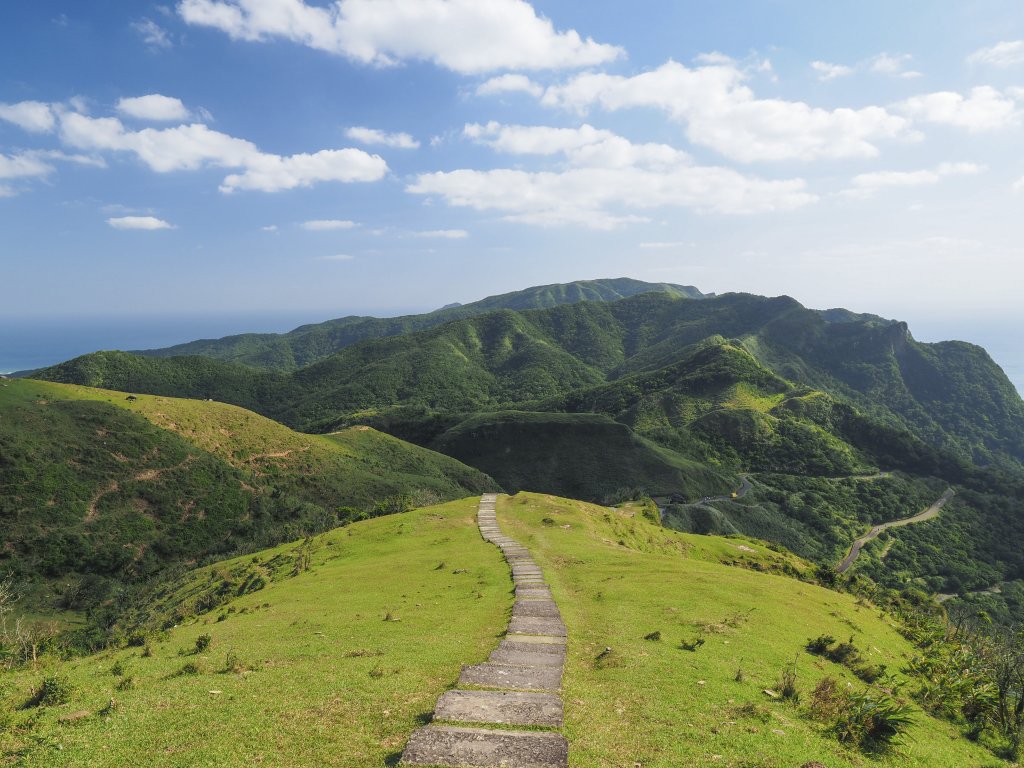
(340, 647)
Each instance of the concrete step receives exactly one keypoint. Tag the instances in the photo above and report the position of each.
(551, 649)
(533, 625)
(440, 745)
(527, 658)
(513, 678)
(504, 707)
(538, 608)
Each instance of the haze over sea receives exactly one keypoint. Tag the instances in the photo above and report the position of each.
(28, 343)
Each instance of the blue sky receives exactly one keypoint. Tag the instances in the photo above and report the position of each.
(283, 157)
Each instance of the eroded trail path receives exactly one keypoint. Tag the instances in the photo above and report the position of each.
(928, 514)
(518, 686)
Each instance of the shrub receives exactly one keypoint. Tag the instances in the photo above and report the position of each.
(125, 683)
(203, 643)
(189, 668)
(656, 635)
(787, 685)
(53, 690)
(233, 663)
(820, 645)
(872, 720)
(117, 670)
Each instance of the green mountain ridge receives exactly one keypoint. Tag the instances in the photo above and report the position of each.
(676, 397)
(310, 343)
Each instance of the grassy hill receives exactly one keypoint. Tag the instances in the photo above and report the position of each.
(97, 490)
(308, 344)
(311, 667)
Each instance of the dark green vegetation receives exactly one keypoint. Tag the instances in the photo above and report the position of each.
(99, 493)
(311, 343)
(661, 394)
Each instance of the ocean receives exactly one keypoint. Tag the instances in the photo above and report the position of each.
(29, 343)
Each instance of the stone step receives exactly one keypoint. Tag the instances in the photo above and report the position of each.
(539, 608)
(539, 639)
(527, 658)
(512, 677)
(504, 707)
(440, 745)
(533, 625)
(552, 649)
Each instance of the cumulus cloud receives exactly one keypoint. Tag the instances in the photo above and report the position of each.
(153, 106)
(583, 146)
(466, 36)
(325, 225)
(374, 136)
(1008, 53)
(722, 113)
(444, 234)
(867, 184)
(661, 246)
(893, 65)
(984, 109)
(605, 182)
(138, 222)
(36, 163)
(509, 83)
(152, 34)
(827, 71)
(195, 146)
(29, 115)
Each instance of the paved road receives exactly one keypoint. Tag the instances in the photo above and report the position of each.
(928, 514)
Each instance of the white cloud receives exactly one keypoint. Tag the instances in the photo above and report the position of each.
(866, 184)
(138, 222)
(153, 106)
(583, 146)
(722, 113)
(1008, 53)
(608, 182)
(444, 234)
(893, 65)
(336, 257)
(324, 225)
(34, 163)
(269, 228)
(30, 115)
(23, 165)
(195, 146)
(6, 191)
(659, 246)
(828, 71)
(374, 136)
(466, 36)
(1018, 185)
(152, 34)
(509, 83)
(272, 173)
(984, 109)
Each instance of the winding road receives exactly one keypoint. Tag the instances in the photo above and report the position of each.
(928, 514)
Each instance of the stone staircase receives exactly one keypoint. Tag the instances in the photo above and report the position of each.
(518, 686)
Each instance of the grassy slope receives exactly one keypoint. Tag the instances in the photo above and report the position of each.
(310, 699)
(94, 484)
(353, 466)
(649, 702)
